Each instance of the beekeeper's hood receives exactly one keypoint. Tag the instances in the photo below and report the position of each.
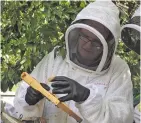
(130, 32)
(105, 13)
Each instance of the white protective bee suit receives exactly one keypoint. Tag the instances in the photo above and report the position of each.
(110, 99)
(130, 34)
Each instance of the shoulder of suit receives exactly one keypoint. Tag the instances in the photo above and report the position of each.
(119, 64)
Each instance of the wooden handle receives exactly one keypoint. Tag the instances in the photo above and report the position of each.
(37, 86)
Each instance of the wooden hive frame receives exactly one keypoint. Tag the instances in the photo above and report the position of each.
(37, 86)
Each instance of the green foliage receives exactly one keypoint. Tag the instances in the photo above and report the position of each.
(31, 29)
(133, 61)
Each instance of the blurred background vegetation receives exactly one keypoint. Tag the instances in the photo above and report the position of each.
(30, 30)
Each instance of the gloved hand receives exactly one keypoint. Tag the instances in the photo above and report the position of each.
(33, 96)
(63, 85)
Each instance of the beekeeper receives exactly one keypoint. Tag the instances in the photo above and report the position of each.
(130, 32)
(91, 80)
(130, 35)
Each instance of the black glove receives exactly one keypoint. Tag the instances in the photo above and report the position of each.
(33, 96)
(63, 85)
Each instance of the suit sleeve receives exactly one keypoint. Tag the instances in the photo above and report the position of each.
(25, 111)
(117, 104)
